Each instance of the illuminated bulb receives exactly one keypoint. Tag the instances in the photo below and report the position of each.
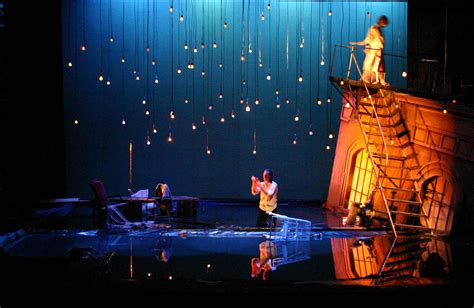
(330, 13)
(149, 274)
(108, 82)
(287, 101)
(170, 138)
(221, 65)
(297, 117)
(311, 132)
(250, 50)
(397, 106)
(76, 122)
(322, 62)
(269, 6)
(179, 70)
(157, 81)
(328, 100)
(144, 101)
(260, 64)
(454, 101)
(191, 66)
(247, 108)
(302, 45)
(404, 74)
(331, 136)
(208, 266)
(370, 96)
(155, 130)
(171, 9)
(203, 120)
(328, 147)
(214, 45)
(195, 49)
(319, 102)
(445, 111)
(123, 122)
(147, 49)
(232, 115)
(210, 106)
(222, 119)
(262, 17)
(364, 99)
(257, 101)
(181, 18)
(269, 77)
(244, 82)
(300, 78)
(341, 82)
(208, 151)
(391, 140)
(242, 57)
(148, 142)
(101, 78)
(122, 60)
(221, 96)
(203, 45)
(225, 25)
(83, 47)
(347, 105)
(278, 105)
(368, 14)
(241, 100)
(137, 78)
(147, 112)
(295, 141)
(186, 101)
(69, 64)
(203, 73)
(153, 62)
(254, 152)
(170, 277)
(193, 126)
(186, 46)
(172, 115)
(277, 92)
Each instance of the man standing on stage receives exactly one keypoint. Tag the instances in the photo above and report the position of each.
(268, 190)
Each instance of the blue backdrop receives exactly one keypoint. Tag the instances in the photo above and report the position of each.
(98, 146)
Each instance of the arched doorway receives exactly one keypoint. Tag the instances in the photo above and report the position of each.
(438, 195)
(361, 177)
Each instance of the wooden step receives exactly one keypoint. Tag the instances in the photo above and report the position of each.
(368, 104)
(391, 157)
(379, 115)
(399, 135)
(408, 214)
(412, 242)
(413, 227)
(399, 270)
(407, 252)
(395, 263)
(406, 144)
(397, 123)
(405, 201)
(395, 167)
(400, 189)
(399, 179)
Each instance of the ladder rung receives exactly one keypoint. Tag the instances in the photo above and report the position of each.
(394, 263)
(381, 124)
(408, 268)
(388, 144)
(405, 201)
(400, 189)
(408, 214)
(393, 157)
(396, 167)
(413, 226)
(401, 179)
(379, 115)
(375, 105)
(411, 243)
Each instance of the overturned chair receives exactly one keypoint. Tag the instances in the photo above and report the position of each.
(107, 211)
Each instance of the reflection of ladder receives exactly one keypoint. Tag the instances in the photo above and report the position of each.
(404, 257)
(390, 150)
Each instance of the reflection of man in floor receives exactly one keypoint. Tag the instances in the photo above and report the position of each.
(163, 249)
(265, 264)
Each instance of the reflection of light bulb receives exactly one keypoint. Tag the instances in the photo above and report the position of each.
(331, 136)
(193, 126)
(300, 78)
(247, 108)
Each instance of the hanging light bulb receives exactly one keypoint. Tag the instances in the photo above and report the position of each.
(225, 25)
(134, 71)
(76, 121)
(445, 111)
(287, 100)
(244, 82)
(124, 122)
(148, 142)
(137, 77)
(153, 62)
(69, 64)
(203, 120)
(278, 105)
(328, 147)
(203, 45)
(171, 9)
(302, 45)
(254, 152)
(186, 46)
(221, 65)
(260, 64)
(214, 45)
(210, 106)
(277, 92)
(221, 96)
(191, 66)
(155, 130)
(181, 18)
(269, 77)
(147, 112)
(123, 60)
(330, 13)
(170, 138)
(347, 105)
(241, 100)
(404, 74)
(262, 17)
(172, 115)
(193, 126)
(157, 81)
(454, 101)
(247, 108)
(242, 57)
(222, 119)
(186, 101)
(147, 49)
(108, 82)
(391, 140)
(318, 101)
(368, 14)
(250, 49)
(300, 78)
(331, 135)
(203, 73)
(311, 132)
(195, 49)
(269, 6)
(101, 77)
(297, 117)
(257, 101)
(328, 100)
(322, 62)
(295, 139)
(83, 47)
(208, 151)
(341, 82)
(232, 114)
(178, 70)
